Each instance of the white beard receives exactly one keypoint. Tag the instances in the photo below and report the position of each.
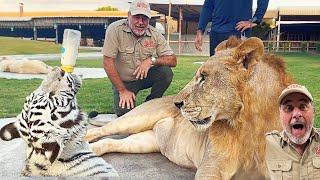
(135, 31)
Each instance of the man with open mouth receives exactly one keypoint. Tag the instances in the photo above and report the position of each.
(294, 153)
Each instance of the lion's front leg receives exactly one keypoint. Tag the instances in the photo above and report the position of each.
(141, 118)
(216, 166)
(144, 142)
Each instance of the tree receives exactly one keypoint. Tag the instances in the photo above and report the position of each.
(107, 8)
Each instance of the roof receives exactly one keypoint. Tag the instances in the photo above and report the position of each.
(190, 11)
(299, 11)
(123, 14)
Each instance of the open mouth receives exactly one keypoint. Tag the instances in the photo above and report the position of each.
(201, 122)
(298, 129)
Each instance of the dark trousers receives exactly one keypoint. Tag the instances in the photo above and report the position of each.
(216, 38)
(158, 78)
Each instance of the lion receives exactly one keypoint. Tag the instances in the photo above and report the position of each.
(217, 123)
(24, 66)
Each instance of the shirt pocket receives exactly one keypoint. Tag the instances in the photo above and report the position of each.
(126, 55)
(148, 52)
(280, 169)
(315, 168)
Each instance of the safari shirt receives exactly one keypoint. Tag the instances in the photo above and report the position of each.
(284, 162)
(128, 50)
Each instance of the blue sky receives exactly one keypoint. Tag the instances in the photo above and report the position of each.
(60, 5)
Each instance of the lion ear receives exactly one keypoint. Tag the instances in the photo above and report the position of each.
(231, 42)
(249, 52)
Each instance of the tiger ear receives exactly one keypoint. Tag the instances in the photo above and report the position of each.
(52, 151)
(249, 52)
(9, 132)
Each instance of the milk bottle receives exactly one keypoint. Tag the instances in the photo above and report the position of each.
(69, 49)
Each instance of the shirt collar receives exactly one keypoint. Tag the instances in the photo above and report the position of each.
(128, 30)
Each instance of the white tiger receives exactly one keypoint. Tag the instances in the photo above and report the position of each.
(53, 127)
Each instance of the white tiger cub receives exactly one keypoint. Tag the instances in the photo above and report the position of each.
(53, 127)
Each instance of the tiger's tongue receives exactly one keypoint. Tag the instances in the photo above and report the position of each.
(298, 132)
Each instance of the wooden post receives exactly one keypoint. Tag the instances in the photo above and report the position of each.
(168, 28)
(278, 34)
(180, 24)
(34, 33)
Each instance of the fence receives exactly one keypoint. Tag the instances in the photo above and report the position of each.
(186, 46)
(292, 46)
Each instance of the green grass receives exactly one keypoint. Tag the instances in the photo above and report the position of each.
(21, 46)
(96, 94)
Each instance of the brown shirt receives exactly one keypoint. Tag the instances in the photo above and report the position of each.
(128, 50)
(284, 162)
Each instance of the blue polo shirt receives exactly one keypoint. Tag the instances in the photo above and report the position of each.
(225, 14)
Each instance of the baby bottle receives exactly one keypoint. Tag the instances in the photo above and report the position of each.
(69, 49)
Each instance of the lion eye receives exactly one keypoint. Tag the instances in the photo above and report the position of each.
(203, 77)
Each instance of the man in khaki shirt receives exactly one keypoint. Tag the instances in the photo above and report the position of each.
(294, 153)
(136, 57)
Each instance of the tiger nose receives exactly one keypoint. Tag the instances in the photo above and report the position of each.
(178, 104)
(62, 72)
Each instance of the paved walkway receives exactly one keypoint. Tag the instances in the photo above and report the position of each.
(84, 72)
(42, 57)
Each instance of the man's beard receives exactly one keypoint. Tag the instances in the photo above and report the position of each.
(299, 140)
(135, 30)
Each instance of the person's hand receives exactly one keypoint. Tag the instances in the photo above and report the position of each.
(127, 99)
(243, 25)
(142, 71)
(198, 41)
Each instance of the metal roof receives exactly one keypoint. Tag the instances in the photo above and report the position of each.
(191, 12)
(123, 14)
(299, 11)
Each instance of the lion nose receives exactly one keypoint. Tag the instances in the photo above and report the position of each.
(179, 104)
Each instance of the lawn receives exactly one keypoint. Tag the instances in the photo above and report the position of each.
(96, 94)
(21, 46)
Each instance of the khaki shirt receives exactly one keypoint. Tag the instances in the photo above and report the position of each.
(128, 50)
(284, 162)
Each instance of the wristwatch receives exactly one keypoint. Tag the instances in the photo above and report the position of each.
(255, 20)
(154, 60)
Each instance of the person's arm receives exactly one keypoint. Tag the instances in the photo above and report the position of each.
(142, 71)
(205, 15)
(110, 52)
(262, 6)
(205, 18)
(126, 97)
(165, 57)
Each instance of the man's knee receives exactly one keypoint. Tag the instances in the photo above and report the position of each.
(166, 74)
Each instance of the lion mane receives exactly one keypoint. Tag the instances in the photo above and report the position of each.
(217, 122)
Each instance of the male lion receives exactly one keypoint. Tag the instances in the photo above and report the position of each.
(217, 123)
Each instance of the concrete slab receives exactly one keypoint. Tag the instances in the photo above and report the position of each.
(86, 73)
(129, 166)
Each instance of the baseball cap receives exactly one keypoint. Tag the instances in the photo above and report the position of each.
(294, 88)
(140, 7)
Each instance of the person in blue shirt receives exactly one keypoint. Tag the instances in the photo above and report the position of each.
(228, 17)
